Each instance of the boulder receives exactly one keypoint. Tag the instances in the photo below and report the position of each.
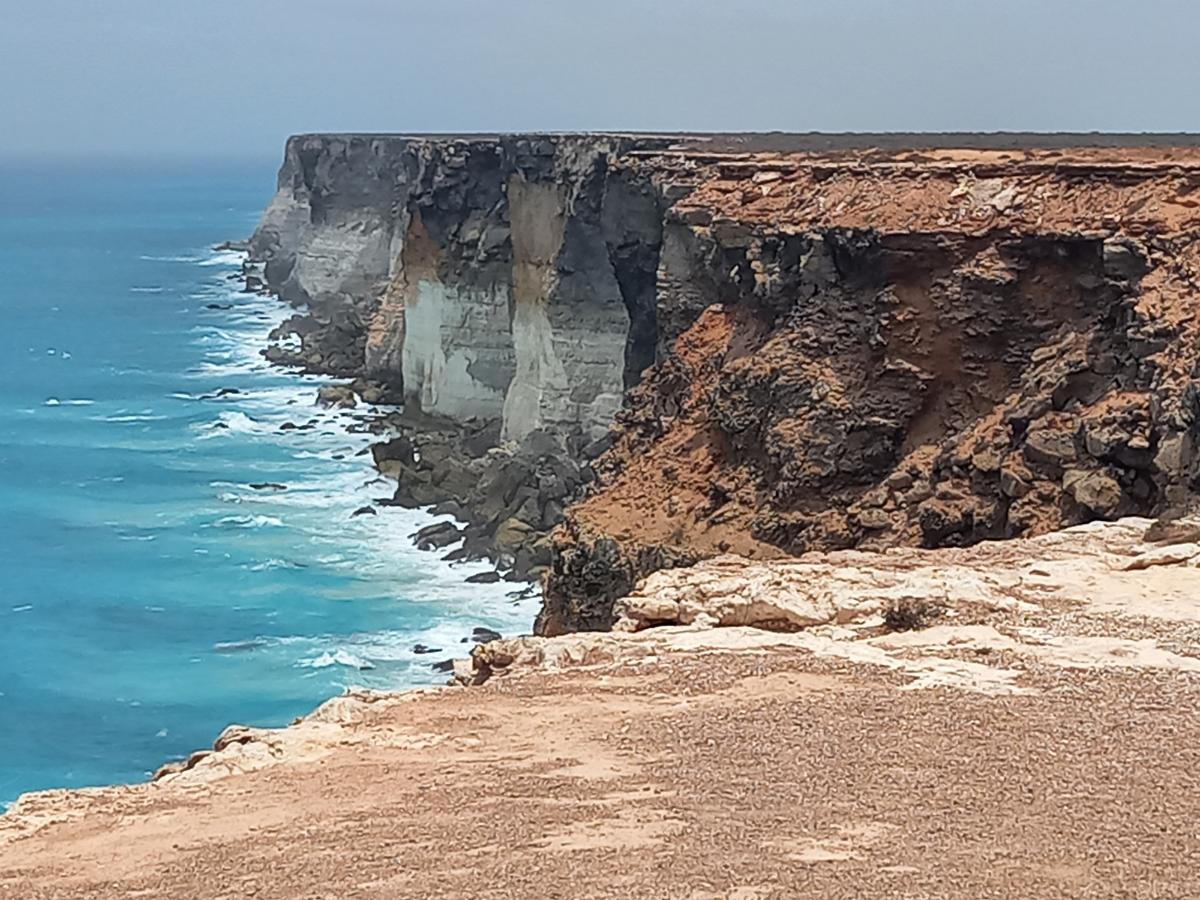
(336, 396)
(398, 448)
(511, 534)
(438, 535)
(1053, 447)
(1096, 490)
(483, 578)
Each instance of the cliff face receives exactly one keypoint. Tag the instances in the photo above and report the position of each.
(900, 349)
(485, 277)
(846, 347)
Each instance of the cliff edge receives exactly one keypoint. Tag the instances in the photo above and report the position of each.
(758, 344)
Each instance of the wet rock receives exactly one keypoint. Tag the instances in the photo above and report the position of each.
(451, 508)
(484, 635)
(445, 666)
(336, 396)
(436, 536)
(483, 578)
(364, 511)
(399, 448)
(268, 486)
(421, 649)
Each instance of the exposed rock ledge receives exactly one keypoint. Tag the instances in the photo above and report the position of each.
(1035, 739)
(1021, 597)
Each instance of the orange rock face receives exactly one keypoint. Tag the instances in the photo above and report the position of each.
(875, 349)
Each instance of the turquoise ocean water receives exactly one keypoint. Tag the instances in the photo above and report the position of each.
(148, 595)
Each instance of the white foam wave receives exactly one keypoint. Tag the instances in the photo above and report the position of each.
(134, 417)
(371, 557)
(248, 522)
(224, 258)
(271, 565)
(178, 259)
(232, 422)
(338, 657)
(146, 290)
(227, 370)
(54, 401)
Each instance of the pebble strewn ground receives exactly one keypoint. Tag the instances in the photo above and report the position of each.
(716, 775)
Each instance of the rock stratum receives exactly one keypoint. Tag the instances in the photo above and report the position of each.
(1013, 719)
(759, 345)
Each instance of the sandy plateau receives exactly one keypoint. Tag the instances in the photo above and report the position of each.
(1014, 719)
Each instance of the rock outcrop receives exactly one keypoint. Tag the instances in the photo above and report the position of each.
(1054, 599)
(510, 496)
(874, 350)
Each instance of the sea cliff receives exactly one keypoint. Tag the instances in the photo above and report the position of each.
(789, 342)
(859, 474)
(507, 278)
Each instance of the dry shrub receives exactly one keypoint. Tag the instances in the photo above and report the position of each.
(909, 614)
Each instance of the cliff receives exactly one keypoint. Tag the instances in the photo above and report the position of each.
(507, 278)
(879, 349)
(792, 342)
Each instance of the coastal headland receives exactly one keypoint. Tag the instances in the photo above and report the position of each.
(858, 473)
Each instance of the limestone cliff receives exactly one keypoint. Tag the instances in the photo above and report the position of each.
(801, 343)
(486, 277)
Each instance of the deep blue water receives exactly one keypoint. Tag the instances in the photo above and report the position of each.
(149, 596)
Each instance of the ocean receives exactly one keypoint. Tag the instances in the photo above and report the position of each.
(149, 596)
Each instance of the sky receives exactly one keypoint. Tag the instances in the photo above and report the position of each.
(219, 78)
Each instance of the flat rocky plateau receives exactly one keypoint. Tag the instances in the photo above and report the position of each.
(1015, 719)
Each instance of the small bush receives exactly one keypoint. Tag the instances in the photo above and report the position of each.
(911, 615)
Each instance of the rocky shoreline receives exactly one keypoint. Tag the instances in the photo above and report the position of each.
(506, 497)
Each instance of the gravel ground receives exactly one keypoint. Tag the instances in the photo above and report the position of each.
(722, 775)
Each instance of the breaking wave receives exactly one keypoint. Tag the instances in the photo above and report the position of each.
(337, 658)
(54, 401)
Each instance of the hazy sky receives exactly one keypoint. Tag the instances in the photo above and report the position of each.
(234, 77)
